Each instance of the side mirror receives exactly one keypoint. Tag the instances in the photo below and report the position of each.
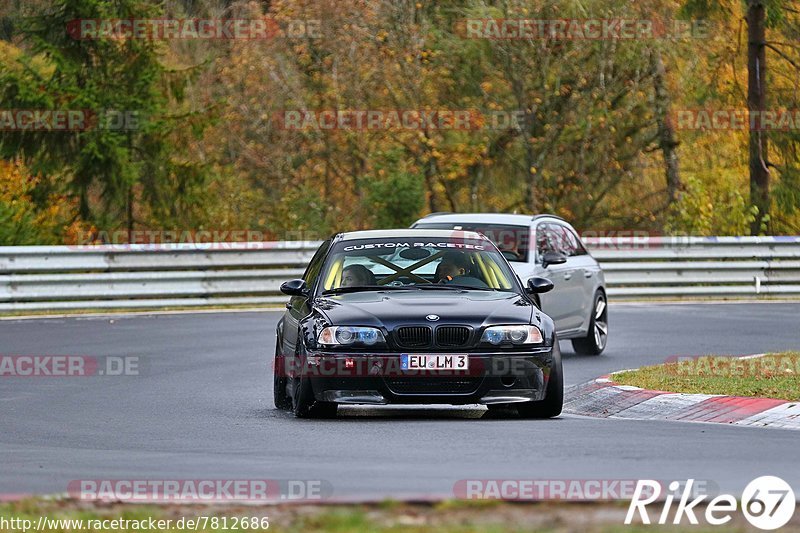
(295, 287)
(553, 258)
(539, 285)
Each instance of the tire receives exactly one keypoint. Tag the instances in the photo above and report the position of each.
(279, 396)
(596, 339)
(554, 393)
(305, 406)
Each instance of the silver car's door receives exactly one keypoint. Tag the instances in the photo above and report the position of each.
(591, 274)
(564, 301)
(581, 275)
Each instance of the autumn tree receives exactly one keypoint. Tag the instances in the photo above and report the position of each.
(125, 154)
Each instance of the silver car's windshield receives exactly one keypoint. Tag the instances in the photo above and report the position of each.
(512, 241)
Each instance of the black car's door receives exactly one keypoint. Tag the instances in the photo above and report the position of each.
(299, 307)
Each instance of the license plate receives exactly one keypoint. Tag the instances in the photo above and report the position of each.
(434, 362)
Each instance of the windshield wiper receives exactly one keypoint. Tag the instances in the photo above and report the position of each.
(455, 287)
(361, 288)
(436, 286)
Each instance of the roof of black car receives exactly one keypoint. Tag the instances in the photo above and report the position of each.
(410, 234)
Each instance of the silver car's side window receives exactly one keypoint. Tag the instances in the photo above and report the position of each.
(545, 241)
(579, 248)
(567, 245)
(570, 244)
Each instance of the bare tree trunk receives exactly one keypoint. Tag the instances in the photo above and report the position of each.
(433, 204)
(530, 189)
(476, 178)
(130, 196)
(756, 104)
(666, 131)
(129, 210)
(359, 165)
(528, 125)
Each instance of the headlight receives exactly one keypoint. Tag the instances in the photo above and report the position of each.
(349, 335)
(512, 334)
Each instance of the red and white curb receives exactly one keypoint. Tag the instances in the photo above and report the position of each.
(603, 398)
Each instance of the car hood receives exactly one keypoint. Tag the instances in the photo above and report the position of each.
(392, 308)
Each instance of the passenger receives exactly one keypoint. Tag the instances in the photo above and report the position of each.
(357, 276)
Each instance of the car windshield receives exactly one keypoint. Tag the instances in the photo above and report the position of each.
(416, 263)
(513, 241)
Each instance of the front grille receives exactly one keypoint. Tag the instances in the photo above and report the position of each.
(414, 336)
(434, 385)
(452, 336)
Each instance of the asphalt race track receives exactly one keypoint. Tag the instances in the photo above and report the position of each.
(201, 408)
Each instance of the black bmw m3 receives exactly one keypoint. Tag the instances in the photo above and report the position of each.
(415, 317)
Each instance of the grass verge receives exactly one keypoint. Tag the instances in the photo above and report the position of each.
(775, 375)
(386, 517)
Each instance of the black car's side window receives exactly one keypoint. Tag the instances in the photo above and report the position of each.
(315, 266)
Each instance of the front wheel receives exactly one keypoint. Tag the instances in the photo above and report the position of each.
(305, 406)
(554, 393)
(596, 339)
(279, 396)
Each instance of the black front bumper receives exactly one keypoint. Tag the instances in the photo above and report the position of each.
(506, 377)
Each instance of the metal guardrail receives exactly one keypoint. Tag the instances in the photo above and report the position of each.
(150, 276)
(34, 278)
(681, 267)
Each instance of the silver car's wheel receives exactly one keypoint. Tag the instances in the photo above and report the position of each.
(600, 323)
(596, 339)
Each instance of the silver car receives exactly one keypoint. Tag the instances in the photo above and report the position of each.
(577, 304)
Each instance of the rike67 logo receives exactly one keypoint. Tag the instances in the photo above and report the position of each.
(768, 503)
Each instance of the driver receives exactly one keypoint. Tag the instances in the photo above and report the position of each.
(454, 270)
